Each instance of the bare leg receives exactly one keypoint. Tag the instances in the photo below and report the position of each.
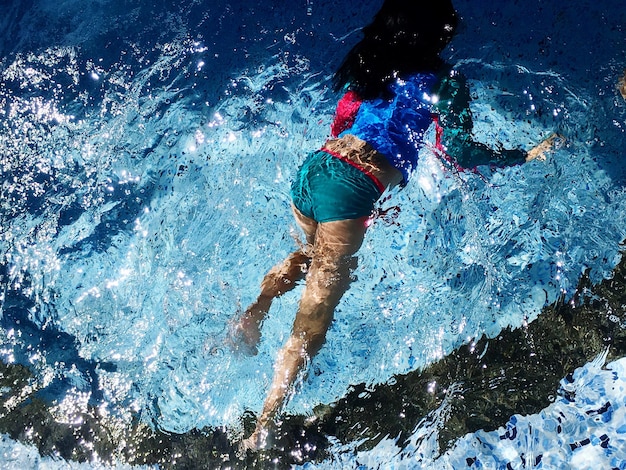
(280, 279)
(326, 282)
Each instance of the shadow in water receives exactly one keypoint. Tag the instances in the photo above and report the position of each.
(485, 384)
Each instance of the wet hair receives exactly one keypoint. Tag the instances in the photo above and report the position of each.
(405, 37)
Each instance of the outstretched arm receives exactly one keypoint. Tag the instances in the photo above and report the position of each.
(456, 120)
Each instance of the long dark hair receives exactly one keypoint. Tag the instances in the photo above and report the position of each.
(405, 36)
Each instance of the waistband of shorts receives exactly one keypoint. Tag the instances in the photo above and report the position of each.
(366, 172)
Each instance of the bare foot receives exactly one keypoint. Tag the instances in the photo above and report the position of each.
(539, 152)
(621, 85)
(239, 341)
(254, 443)
(263, 438)
(246, 333)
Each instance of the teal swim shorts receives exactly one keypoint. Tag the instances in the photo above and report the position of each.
(327, 189)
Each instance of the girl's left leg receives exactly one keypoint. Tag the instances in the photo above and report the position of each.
(280, 279)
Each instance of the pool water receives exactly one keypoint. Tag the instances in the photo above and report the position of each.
(147, 152)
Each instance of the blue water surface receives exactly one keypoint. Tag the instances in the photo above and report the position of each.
(147, 150)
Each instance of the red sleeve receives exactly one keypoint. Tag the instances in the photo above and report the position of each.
(345, 114)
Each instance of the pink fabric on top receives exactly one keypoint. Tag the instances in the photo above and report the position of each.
(345, 114)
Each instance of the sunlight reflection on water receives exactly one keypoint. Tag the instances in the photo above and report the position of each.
(133, 221)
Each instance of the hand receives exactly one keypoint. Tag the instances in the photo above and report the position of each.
(621, 85)
(539, 152)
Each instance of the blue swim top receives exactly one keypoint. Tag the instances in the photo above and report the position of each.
(395, 126)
